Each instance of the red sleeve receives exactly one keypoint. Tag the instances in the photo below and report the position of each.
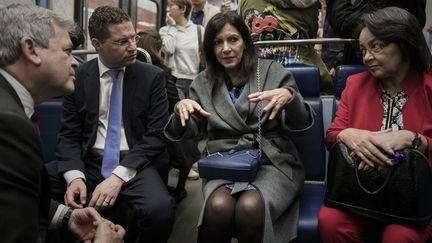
(341, 120)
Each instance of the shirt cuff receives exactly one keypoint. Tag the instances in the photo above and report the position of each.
(55, 222)
(125, 173)
(72, 175)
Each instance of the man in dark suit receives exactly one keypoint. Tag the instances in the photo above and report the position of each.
(35, 65)
(85, 143)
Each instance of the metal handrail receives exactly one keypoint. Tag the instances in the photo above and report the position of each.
(305, 41)
(84, 52)
(90, 52)
(145, 54)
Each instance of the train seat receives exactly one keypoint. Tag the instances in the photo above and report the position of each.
(49, 116)
(310, 145)
(307, 79)
(342, 73)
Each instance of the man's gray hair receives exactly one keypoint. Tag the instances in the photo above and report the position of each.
(26, 20)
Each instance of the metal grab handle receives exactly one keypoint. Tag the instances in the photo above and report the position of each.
(145, 54)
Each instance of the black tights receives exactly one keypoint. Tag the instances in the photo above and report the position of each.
(226, 216)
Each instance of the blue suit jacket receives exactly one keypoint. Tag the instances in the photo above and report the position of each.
(145, 113)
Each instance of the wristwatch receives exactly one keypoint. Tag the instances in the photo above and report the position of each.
(416, 142)
(66, 217)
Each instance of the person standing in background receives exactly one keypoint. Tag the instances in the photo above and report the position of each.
(285, 20)
(203, 11)
(181, 44)
(181, 47)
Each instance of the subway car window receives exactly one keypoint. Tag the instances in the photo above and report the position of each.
(146, 15)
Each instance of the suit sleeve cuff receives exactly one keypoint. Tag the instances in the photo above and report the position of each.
(55, 222)
(72, 175)
(125, 173)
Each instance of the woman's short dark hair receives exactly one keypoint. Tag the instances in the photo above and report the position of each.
(215, 71)
(186, 4)
(151, 42)
(396, 25)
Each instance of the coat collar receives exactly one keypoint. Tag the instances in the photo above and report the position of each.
(237, 114)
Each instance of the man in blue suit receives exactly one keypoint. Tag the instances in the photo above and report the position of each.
(115, 94)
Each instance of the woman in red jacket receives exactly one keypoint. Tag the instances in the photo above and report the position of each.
(387, 108)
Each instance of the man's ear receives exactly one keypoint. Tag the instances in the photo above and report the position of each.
(96, 43)
(30, 50)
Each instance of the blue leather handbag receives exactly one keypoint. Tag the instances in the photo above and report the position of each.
(234, 165)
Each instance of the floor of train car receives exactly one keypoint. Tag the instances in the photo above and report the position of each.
(187, 211)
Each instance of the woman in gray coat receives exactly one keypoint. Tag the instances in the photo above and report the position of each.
(224, 104)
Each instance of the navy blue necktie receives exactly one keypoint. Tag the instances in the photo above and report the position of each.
(111, 155)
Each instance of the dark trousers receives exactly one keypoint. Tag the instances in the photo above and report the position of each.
(144, 207)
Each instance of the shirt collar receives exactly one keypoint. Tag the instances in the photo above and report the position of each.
(23, 94)
(103, 69)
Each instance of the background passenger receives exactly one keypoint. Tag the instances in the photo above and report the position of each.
(113, 152)
(181, 49)
(285, 20)
(266, 210)
(202, 12)
(182, 154)
(399, 71)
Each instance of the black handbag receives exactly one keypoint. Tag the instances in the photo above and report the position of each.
(234, 165)
(399, 194)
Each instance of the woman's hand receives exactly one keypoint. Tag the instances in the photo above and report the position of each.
(186, 107)
(277, 99)
(169, 20)
(368, 146)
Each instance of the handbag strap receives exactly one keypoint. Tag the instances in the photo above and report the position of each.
(259, 105)
(384, 184)
(199, 37)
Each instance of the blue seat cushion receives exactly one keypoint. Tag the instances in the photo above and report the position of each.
(311, 200)
(342, 73)
(307, 79)
(49, 116)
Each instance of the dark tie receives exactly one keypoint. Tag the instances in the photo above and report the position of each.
(35, 122)
(111, 153)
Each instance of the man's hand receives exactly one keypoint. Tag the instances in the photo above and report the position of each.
(105, 194)
(107, 232)
(81, 223)
(76, 189)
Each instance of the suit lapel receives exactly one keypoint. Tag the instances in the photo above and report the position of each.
(8, 88)
(91, 85)
(129, 87)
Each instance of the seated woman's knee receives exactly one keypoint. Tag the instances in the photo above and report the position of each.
(394, 233)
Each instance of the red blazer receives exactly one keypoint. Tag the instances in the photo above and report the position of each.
(360, 106)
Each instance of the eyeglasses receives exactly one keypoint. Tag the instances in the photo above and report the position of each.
(127, 41)
(375, 48)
